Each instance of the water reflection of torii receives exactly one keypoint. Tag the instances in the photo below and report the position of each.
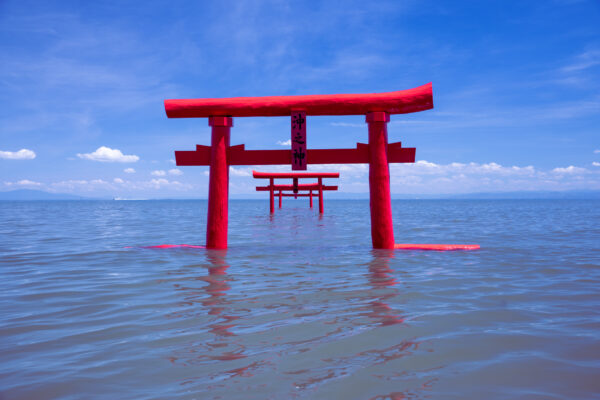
(216, 289)
(216, 304)
(381, 278)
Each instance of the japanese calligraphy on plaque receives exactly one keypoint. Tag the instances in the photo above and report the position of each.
(298, 140)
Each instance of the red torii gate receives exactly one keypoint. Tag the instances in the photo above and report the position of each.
(295, 187)
(377, 153)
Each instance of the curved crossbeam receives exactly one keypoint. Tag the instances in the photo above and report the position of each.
(399, 102)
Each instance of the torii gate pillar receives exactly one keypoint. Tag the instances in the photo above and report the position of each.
(382, 227)
(218, 186)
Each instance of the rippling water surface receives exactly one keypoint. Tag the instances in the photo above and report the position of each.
(299, 306)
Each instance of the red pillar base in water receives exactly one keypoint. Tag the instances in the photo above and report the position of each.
(436, 247)
(382, 227)
(218, 186)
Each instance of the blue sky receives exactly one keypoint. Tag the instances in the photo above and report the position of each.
(516, 89)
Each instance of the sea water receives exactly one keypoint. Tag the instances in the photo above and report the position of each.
(299, 306)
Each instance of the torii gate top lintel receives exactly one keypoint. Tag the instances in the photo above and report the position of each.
(398, 102)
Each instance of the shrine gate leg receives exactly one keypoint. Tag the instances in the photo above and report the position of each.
(271, 196)
(280, 196)
(218, 186)
(320, 196)
(382, 227)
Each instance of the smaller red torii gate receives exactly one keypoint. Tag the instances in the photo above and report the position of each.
(295, 187)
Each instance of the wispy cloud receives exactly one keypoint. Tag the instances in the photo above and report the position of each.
(129, 171)
(570, 170)
(583, 61)
(23, 182)
(285, 143)
(118, 185)
(347, 124)
(106, 154)
(77, 72)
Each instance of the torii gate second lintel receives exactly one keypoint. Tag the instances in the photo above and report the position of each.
(377, 153)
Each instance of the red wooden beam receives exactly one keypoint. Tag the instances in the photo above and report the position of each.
(237, 155)
(399, 102)
(304, 186)
(295, 195)
(278, 175)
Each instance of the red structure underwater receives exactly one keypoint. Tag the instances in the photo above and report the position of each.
(296, 188)
(378, 153)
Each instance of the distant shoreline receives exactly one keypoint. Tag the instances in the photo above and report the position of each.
(38, 195)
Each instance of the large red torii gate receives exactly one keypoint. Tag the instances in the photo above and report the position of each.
(377, 108)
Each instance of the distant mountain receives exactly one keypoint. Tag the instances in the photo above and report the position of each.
(567, 194)
(28, 194)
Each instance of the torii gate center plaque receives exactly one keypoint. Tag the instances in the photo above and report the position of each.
(298, 141)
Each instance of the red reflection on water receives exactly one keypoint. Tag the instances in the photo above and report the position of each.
(216, 289)
(209, 298)
(391, 396)
(381, 277)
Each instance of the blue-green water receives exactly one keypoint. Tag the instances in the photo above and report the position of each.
(299, 306)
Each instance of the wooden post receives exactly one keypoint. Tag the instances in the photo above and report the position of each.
(311, 202)
(271, 196)
(320, 195)
(218, 187)
(280, 196)
(382, 228)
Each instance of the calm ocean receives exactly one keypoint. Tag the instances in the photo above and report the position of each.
(299, 306)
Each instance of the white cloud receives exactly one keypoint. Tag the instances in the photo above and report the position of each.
(240, 171)
(23, 154)
(569, 170)
(172, 161)
(94, 185)
(165, 183)
(158, 172)
(597, 151)
(27, 182)
(106, 154)
(423, 167)
(348, 124)
(23, 182)
(286, 143)
(102, 187)
(160, 181)
(596, 164)
(129, 171)
(175, 171)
